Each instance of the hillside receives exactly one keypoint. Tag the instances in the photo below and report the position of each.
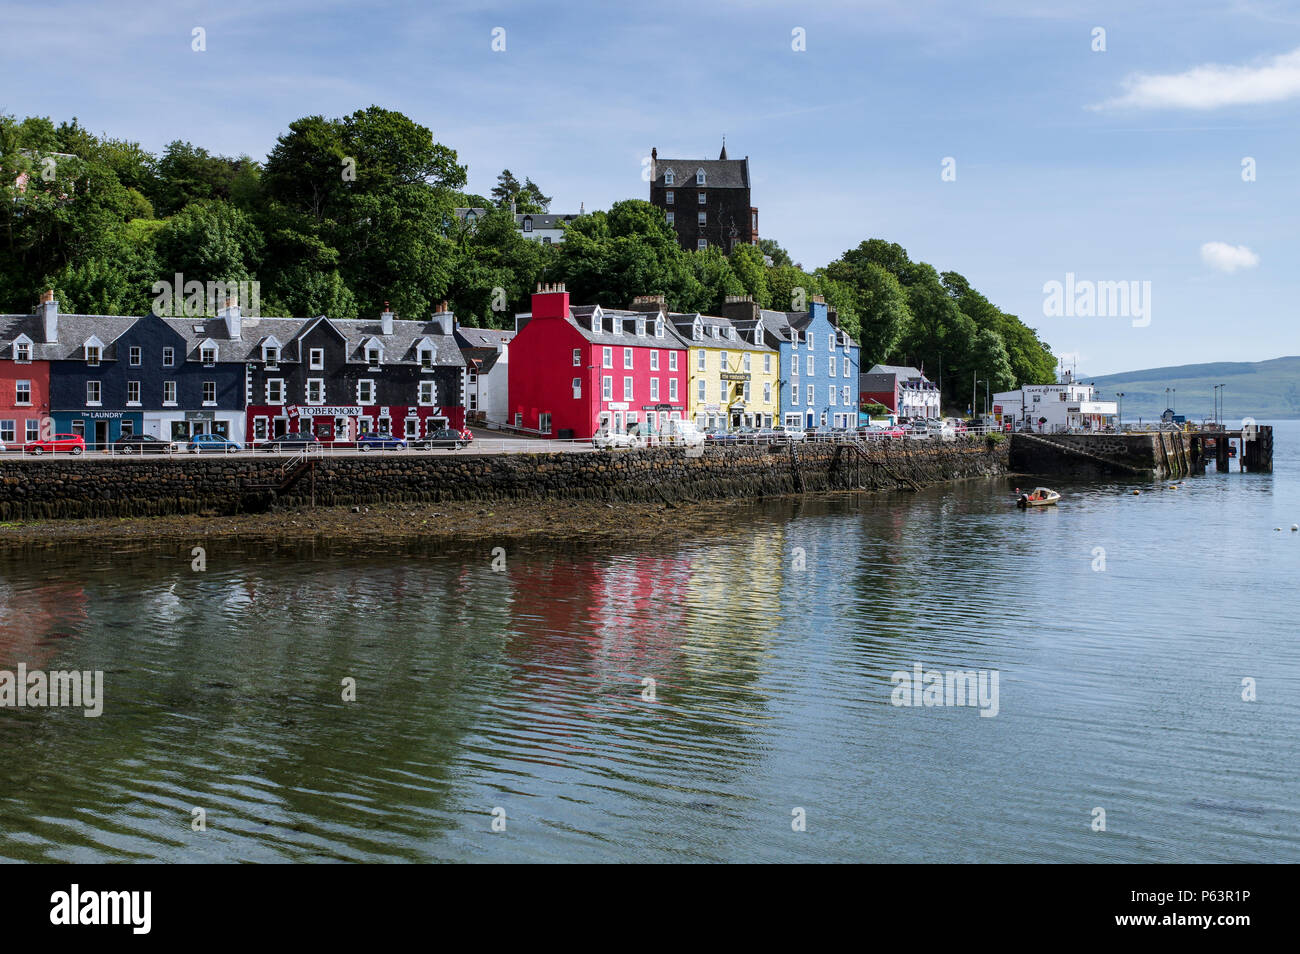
(1260, 389)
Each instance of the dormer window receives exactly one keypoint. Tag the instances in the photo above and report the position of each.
(374, 353)
(209, 355)
(94, 352)
(670, 177)
(426, 353)
(731, 333)
(528, 223)
(616, 326)
(716, 333)
(697, 332)
(271, 353)
(470, 218)
(699, 177)
(659, 327)
(640, 327)
(22, 350)
(597, 326)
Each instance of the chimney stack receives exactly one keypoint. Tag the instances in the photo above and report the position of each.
(386, 321)
(740, 308)
(649, 303)
(551, 301)
(444, 319)
(233, 319)
(50, 316)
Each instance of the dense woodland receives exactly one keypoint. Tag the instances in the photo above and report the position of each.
(345, 214)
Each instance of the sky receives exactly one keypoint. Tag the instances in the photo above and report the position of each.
(1009, 141)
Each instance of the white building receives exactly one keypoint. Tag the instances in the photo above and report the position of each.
(1052, 408)
(544, 227)
(487, 359)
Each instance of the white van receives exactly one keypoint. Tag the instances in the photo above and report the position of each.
(681, 432)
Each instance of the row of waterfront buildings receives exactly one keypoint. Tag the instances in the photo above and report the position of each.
(563, 371)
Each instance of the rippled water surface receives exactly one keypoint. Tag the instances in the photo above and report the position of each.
(523, 690)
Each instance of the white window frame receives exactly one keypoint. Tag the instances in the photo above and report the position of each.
(169, 387)
(312, 382)
(210, 387)
(96, 388)
(130, 401)
(316, 359)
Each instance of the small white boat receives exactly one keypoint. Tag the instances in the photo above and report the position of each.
(1038, 497)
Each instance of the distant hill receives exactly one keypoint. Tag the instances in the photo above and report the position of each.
(1259, 389)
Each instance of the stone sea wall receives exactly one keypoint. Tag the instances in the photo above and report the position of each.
(94, 486)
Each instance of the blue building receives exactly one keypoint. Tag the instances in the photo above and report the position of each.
(819, 363)
(113, 376)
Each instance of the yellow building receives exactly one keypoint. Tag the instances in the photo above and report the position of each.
(734, 375)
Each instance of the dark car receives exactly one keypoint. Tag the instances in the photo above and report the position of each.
(142, 444)
(380, 442)
(445, 437)
(293, 441)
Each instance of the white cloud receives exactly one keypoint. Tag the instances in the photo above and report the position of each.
(1228, 258)
(1212, 86)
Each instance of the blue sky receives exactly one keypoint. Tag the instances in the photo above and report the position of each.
(1122, 165)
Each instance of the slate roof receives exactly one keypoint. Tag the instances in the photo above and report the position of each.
(482, 337)
(685, 323)
(580, 316)
(902, 372)
(75, 330)
(718, 173)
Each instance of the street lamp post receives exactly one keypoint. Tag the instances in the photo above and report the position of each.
(1120, 424)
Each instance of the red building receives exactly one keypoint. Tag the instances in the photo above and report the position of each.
(24, 378)
(575, 370)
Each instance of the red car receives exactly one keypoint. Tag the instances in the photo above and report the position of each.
(58, 444)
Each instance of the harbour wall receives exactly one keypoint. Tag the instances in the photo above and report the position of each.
(93, 486)
(1155, 453)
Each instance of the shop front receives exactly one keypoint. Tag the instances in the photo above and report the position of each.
(343, 424)
(99, 428)
(183, 425)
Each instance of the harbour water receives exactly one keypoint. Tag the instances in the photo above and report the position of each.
(1124, 631)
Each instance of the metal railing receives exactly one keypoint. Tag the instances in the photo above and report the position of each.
(506, 445)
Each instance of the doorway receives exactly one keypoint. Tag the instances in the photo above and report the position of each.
(101, 434)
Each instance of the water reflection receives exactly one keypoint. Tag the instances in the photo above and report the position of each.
(770, 649)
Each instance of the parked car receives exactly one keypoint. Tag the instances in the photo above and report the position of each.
(610, 440)
(142, 444)
(766, 435)
(73, 444)
(747, 435)
(380, 441)
(443, 438)
(823, 434)
(785, 434)
(212, 444)
(719, 436)
(293, 441)
(682, 432)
